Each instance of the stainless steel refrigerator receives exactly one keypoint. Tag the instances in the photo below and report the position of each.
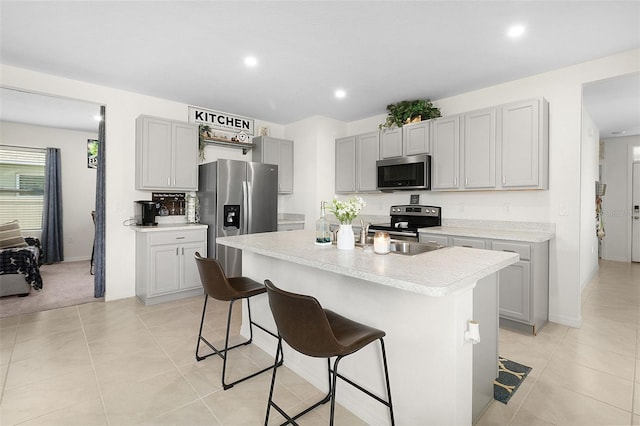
(236, 197)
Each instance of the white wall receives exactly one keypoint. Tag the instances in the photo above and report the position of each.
(78, 181)
(589, 172)
(314, 165)
(616, 204)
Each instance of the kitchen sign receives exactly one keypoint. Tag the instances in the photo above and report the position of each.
(221, 120)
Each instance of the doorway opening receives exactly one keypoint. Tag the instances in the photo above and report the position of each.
(39, 120)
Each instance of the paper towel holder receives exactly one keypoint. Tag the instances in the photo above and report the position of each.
(472, 334)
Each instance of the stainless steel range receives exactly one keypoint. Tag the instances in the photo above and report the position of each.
(406, 220)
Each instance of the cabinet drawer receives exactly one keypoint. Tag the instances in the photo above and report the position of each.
(431, 238)
(176, 237)
(469, 242)
(524, 250)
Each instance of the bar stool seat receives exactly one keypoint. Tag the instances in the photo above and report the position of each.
(227, 289)
(321, 333)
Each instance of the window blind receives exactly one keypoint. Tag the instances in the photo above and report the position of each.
(22, 185)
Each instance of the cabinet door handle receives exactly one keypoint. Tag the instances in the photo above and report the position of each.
(168, 181)
(467, 246)
(177, 251)
(510, 251)
(183, 251)
(504, 180)
(179, 238)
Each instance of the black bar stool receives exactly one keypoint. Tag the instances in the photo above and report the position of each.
(229, 289)
(321, 333)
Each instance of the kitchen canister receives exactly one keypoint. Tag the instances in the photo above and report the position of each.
(381, 242)
(193, 206)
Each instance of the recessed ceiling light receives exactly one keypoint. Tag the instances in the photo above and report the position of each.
(97, 117)
(619, 132)
(516, 31)
(250, 61)
(340, 93)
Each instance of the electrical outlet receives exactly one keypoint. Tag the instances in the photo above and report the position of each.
(564, 210)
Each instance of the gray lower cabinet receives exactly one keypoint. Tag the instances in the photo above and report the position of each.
(523, 286)
(290, 226)
(469, 242)
(165, 264)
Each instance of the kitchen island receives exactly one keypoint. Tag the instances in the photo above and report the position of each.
(422, 302)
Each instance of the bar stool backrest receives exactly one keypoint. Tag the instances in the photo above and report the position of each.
(214, 280)
(302, 322)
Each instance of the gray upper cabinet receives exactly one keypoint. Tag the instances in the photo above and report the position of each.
(367, 153)
(356, 158)
(166, 154)
(391, 143)
(503, 147)
(346, 164)
(524, 148)
(410, 139)
(479, 149)
(416, 138)
(445, 164)
(277, 151)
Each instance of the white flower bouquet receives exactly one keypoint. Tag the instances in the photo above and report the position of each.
(346, 211)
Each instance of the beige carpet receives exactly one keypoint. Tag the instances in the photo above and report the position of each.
(63, 284)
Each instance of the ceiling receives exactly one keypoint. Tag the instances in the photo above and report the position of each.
(379, 52)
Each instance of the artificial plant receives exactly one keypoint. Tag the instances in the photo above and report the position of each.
(405, 112)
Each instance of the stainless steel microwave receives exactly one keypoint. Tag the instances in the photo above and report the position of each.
(413, 172)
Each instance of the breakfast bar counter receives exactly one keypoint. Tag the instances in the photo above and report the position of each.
(423, 302)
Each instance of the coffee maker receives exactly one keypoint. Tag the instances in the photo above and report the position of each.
(145, 213)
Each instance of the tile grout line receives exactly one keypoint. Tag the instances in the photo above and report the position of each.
(535, 382)
(200, 398)
(93, 367)
(9, 363)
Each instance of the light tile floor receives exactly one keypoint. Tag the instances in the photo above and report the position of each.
(585, 376)
(122, 363)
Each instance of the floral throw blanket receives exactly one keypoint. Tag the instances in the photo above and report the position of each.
(25, 261)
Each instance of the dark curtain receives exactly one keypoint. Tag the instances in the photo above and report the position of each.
(52, 209)
(98, 242)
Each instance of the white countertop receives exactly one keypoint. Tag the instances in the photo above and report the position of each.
(494, 234)
(437, 273)
(169, 227)
(532, 232)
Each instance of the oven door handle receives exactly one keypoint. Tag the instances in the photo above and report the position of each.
(398, 233)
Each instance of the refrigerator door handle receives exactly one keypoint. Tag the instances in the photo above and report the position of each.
(249, 209)
(245, 208)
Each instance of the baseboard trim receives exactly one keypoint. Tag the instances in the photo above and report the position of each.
(568, 321)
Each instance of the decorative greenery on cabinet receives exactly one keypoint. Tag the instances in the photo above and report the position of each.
(405, 112)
